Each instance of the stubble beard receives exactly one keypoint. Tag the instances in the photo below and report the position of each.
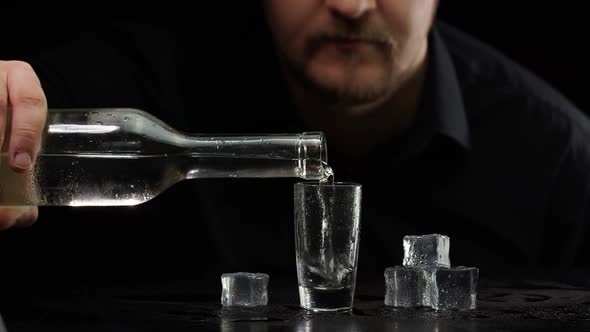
(345, 91)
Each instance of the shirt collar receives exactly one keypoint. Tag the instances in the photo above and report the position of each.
(441, 110)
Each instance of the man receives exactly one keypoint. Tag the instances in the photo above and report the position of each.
(445, 134)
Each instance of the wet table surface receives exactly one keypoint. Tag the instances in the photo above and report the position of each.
(190, 305)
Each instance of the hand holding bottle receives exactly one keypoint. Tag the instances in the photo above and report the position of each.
(23, 112)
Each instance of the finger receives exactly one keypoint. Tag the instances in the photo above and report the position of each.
(21, 216)
(3, 105)
(29, 111)
(28, 215)
(7, 217)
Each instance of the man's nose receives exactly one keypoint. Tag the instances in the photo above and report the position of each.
(351, 8)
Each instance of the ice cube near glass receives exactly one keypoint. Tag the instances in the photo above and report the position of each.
(407, 287)
(426, 250)
(454, 288)
(244, 289)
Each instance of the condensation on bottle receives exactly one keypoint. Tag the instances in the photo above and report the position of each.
(126, 156)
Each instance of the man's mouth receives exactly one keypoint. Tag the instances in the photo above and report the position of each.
(348, 42)
(351, 42)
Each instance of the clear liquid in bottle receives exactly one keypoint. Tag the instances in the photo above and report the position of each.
(115, 157)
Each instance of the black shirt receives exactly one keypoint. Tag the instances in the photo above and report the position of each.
(497, 160)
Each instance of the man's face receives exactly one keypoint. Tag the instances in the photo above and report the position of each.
(354, 51)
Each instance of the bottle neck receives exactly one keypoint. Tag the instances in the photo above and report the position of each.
(263, 156)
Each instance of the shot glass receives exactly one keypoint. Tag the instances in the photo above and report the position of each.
(327, 227)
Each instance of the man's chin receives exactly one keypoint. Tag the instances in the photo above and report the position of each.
(345, 83)
(339, 87)
(353, 93)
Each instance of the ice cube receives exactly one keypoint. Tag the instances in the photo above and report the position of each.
(344, 269)
(454, 288)
(407, 287)
(244, 289)
(426, 250)
(337, 273)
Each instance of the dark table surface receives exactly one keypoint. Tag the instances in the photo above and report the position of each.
(514, 303)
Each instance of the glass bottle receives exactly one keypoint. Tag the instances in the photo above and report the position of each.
(123, 156)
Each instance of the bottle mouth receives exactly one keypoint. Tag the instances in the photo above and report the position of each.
(313, 156)
(313, 146)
